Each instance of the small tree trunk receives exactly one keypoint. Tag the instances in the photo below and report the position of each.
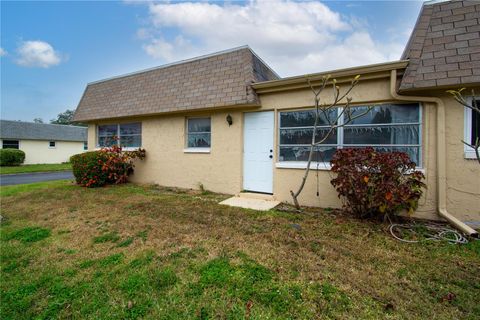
(310, 155)
(333, 125)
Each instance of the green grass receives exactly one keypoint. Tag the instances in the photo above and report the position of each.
(6, 191)
(27, 168)
(182, 256)
(28, 234)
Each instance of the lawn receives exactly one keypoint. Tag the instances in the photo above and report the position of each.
(27, 168)
(133, 251)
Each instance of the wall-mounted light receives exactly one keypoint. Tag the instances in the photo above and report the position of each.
(229, 120)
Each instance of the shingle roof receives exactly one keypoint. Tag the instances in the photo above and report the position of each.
(217, 80)
(40, 131)
(444, 48)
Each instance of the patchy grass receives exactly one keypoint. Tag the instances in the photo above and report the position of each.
(107, 237)
(28, 168)
(126, 242)
(132, 251)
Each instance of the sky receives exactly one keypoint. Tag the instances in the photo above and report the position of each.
(49, 51)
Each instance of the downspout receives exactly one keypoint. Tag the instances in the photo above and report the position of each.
(441, 155)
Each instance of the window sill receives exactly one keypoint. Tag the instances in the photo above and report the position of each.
(470, 155)
(322, 166)
(196, 150)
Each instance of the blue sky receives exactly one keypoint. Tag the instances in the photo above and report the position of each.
(51, 50)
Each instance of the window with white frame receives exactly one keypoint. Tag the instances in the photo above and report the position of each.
(10, 144)
(127, 135)
(198, 133)
(296, 128)
(388, 127)
(472, 128)
(52, 144)
(85, 145)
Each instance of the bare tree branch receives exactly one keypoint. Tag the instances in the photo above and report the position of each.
(457, 95)
(475, 147)
(333, 125)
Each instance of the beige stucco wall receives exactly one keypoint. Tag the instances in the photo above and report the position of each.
(221, 170)
(285, 179)
(38, 151)
(463, 175)
(166, 163)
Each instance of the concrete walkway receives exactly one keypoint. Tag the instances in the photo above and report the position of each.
(23, 178)
(249, 200)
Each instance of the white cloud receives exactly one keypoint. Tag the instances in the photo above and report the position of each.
(293, 37)
(2, 52)
(37, 54)
(159, 48)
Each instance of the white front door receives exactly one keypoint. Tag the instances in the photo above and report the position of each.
(258, 152)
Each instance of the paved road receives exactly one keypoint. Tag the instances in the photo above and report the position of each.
(22, 178)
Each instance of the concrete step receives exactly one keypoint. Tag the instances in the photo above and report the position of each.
(250, 203)
(259, 196)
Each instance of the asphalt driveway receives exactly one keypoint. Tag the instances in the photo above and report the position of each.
(23, 178)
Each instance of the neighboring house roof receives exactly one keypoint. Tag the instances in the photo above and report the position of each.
(19, 130)
(444, 48)
(222, 79)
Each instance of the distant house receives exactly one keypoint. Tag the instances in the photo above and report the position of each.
(229, 122)
(43, 143)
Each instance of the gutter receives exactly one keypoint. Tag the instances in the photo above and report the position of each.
(379, 70)
(441, 155)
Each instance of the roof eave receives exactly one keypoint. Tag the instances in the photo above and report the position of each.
(373, 71)
(440, 87)
(251, 105)
(43, 139)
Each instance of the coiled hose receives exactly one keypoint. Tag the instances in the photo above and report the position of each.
(417, 232)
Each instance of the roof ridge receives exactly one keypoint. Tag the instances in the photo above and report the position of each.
(432, 2)
(47, 124)
(413, 34)
(262, 61)
(175, 63)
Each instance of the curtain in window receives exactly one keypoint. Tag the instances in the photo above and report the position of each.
(389, 127)
(127, 135)
(198, 133)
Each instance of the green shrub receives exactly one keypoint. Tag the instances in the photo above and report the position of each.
(108, 165)
(11, 157)
(376, 183)
(87, 168)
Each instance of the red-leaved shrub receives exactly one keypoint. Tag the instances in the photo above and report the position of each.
(109, 165)
(375, 183)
